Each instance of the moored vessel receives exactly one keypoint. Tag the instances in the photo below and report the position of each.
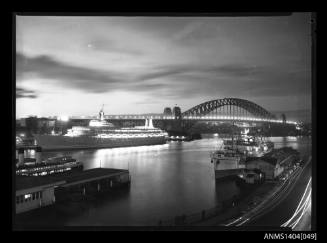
(102, 134)
(250, 145)
(227, 162)
(49, 166)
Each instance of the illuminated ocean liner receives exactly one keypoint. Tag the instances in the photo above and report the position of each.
(102, 134)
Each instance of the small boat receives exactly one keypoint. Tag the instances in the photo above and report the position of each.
(49, 166)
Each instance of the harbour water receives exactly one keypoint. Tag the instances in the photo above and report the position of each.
(167, 180)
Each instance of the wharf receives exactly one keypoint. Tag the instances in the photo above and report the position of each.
(38, 191)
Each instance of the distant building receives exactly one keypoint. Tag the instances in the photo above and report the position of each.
(32, 193)
(274, 163)
(167, 111)
(32, 124)
(21, 122)
(45, 122)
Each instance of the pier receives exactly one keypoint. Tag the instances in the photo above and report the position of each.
(34, 192)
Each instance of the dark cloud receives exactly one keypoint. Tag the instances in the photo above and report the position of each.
(85, 79)
(105, 45)
(97, 81)
(173, 81)
(197, 32)
(232, 79)
(25, 93)
(228, 70)
(165, 71)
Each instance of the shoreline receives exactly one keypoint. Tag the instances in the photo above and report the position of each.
(73, 148)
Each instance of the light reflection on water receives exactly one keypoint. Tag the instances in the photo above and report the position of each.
(167, 180)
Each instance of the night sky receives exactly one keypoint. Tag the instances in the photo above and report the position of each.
(134, 65)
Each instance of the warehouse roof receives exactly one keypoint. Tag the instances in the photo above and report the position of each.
(25, 182)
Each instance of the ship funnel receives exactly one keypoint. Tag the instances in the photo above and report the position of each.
(20, 156)
(146, 123)
(38, 155)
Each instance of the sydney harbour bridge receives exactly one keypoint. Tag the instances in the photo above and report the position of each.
(226, 109)
(230, 110)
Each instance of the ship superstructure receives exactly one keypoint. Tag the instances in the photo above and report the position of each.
(227, 162)
(229, 159)
(250, 145)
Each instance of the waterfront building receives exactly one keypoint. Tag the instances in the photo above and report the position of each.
(34, 192)
(269, 166)
(274, 162)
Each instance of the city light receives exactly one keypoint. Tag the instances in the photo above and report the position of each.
(63, 118)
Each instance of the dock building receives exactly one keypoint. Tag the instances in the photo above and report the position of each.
(33, 192)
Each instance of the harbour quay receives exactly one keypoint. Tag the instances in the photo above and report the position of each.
(33, 192)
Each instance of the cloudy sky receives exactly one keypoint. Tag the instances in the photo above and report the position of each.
(133, 65)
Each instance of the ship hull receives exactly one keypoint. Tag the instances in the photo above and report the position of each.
(226, 174)
(226, 167)
(53, 143)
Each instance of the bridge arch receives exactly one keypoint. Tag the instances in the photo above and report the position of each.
(207, 107)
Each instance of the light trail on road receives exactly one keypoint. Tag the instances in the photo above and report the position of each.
(301, 208)
(267, 205)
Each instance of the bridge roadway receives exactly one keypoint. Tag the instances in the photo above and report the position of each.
(185, 118)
